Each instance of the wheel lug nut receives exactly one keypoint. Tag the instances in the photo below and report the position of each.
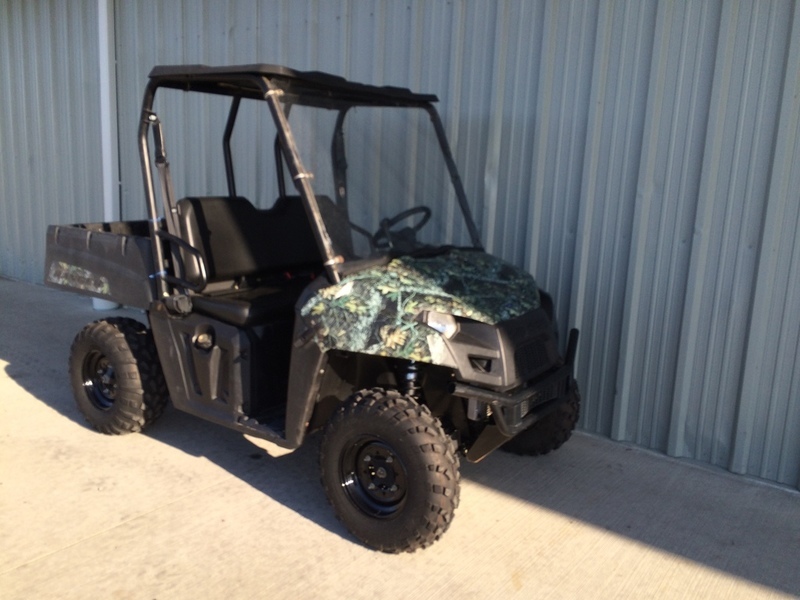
(393, 488)
(371, 486)
(367, 458)
(389, 459)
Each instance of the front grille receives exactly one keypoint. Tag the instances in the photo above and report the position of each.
(534, 345)
(532, 358)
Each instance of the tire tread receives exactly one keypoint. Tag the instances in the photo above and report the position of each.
(438, 450)
(551, 432)
(142, 389)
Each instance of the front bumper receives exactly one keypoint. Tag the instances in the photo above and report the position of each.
(515, 412)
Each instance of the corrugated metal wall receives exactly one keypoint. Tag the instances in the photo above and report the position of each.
(640, 158)
(49, 130)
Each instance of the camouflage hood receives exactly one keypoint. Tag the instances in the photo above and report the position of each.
(376, 311)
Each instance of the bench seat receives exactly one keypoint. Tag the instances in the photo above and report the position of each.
(251, 306)
(250, 255)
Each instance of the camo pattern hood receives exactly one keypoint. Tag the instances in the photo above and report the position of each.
(377, 311)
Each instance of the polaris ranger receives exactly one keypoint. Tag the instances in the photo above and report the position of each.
(350, 295)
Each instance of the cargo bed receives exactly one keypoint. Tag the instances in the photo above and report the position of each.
(113, 261)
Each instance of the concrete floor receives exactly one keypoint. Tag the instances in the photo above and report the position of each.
(192, 510)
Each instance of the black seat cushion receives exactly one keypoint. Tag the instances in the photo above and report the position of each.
(251, 306)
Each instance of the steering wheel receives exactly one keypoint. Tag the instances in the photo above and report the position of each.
(386, 237)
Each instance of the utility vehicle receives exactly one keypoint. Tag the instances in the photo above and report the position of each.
(349, 294)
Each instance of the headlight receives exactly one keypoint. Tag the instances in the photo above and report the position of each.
(444, 324)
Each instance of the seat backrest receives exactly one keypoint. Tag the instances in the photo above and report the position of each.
(238, 240)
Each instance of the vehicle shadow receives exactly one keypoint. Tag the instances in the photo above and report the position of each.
(291, 479)
(726, 522)
(36, 352)
(715, 519)
(288, 477)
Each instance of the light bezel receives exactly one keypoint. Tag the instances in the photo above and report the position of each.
(443, 323)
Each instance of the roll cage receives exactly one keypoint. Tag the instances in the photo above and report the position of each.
(281, 88)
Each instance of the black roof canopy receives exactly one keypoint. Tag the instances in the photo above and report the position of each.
(249, 81)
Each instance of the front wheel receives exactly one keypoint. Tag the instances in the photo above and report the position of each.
(390, 471)
(116, 377)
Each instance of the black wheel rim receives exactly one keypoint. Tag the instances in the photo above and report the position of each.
(374, 477)
(99, 380)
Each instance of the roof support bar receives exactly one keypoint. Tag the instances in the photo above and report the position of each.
(226, 145)
(302, 181)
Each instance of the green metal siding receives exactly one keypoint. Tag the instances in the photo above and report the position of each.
(640, 158)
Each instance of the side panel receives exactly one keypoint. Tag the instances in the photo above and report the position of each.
(308, 366)
(211, 383)
(216, 371)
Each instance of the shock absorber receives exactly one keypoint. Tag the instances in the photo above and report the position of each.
(409, 380)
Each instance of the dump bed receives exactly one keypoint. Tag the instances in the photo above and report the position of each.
(113, 261)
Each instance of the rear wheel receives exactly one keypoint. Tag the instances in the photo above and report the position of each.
(116, 377)
(390, 471)
(550, 432)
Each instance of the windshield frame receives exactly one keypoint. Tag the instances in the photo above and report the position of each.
(342, 264)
